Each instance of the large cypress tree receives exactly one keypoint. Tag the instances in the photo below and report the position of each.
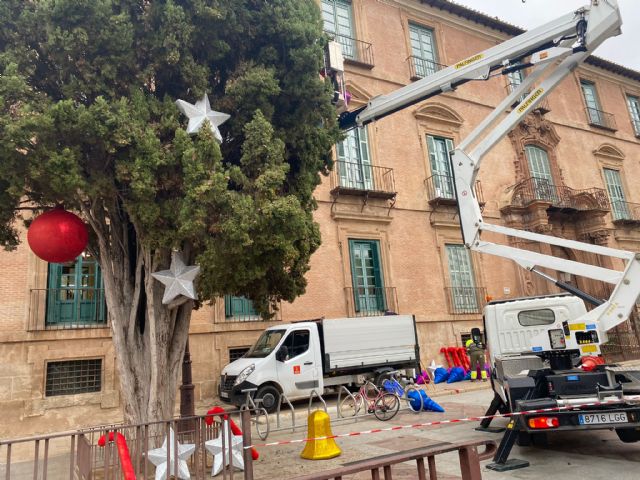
(88, 119)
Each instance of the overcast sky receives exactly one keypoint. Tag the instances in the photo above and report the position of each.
(623, 49)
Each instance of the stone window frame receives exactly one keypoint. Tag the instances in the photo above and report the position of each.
(422, 21)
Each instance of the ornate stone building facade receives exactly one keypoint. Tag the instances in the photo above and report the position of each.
(387, 213)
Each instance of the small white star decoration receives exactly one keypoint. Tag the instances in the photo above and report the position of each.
(232, 443)
(158, 457)
(178, 279)
(200, 112)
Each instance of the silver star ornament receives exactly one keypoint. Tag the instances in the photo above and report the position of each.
(200, 112)
(178, 280)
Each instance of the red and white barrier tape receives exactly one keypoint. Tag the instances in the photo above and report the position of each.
(632, 399)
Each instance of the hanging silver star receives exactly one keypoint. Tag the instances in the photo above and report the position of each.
(178, 279)
(200, 112)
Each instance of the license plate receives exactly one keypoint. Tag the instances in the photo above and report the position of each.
(224, 395)
(600, 418)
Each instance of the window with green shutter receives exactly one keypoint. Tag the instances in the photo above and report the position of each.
(464, 294)
(619, 207)
(540, 169)
(634, 111)
(592, 102)
(354, 161)
(75, 294)
(366, 273)
(239, 309)
(442, 178)
(423, 50)
(338, 21)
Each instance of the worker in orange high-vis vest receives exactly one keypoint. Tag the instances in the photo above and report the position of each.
(476, 355)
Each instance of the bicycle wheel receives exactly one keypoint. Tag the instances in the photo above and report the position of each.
(350, 405)
(386, 406)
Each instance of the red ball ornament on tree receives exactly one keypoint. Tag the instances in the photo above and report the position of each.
(57, 236)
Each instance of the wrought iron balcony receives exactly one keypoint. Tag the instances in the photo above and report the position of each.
(536, 189)
(465, 300)
(625, 212)
(355, 51)
(352, 178)
(598, 118)
(370, 301)
(67, 308)
(421, 67)
(542, 106)
(440, 190)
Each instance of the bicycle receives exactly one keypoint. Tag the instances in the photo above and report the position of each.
(383, 405)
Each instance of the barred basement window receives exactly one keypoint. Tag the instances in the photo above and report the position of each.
(236, 353)
(73, 376)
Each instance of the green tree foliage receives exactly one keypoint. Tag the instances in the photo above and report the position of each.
(88, 119)
(88, 90)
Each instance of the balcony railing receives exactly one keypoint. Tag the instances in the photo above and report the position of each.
(354, 50)
(598, 118)
(440, 189)
(542, 106)
(422, 67)
(359, 179)
(625, 212)
(369, 301)
(536, 189)
(464, 300)
(67, 308)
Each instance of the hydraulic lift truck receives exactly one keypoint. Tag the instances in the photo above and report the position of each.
(535, 343)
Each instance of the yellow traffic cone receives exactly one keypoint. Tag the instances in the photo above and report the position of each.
(320, 426)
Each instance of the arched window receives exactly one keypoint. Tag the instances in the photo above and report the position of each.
(541, 180)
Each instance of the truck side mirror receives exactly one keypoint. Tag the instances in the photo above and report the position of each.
(282, 353)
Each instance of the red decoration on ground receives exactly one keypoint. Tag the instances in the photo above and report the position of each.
(219, 411)
(57, 236)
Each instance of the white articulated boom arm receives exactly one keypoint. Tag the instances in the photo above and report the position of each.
(554, 50)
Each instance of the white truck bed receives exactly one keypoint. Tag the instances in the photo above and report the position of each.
(367, 341)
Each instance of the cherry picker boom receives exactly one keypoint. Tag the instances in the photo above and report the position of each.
(541, 373)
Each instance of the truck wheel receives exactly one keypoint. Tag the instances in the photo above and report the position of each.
(628, 435)
(381, 376)
(269, 397)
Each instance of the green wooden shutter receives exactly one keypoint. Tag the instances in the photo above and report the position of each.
(619, 208)
(439, 149)
(593, 105)
(634, 112)
(239, 308)
(366, 274)
(336, 16)
(75, 295)
(463, 288)
(540, 169)
(354, 161)
(423, 50)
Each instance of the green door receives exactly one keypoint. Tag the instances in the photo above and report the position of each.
(423, 50)
(591, 99)
(540, 168)
(439, 150)
(368, 287)
(463, 285)
(336, 16)
(619, 208)
(239, 308)
(75, 295)
(354, 162)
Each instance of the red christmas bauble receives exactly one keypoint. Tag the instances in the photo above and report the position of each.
(57, 236)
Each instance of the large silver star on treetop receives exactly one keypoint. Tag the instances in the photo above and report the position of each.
(178, 279)
(200, 112)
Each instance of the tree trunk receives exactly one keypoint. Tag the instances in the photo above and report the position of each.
(149, 338)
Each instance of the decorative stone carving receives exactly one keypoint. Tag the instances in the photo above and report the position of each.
(439, 113)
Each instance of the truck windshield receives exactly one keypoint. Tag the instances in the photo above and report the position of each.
(265, 344)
